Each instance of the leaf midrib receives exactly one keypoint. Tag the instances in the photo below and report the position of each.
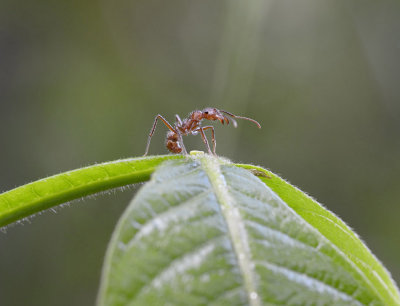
(235, 224)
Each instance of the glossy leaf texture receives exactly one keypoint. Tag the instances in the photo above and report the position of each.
(43, 194)
(206, 232)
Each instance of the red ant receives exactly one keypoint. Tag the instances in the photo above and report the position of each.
(192, 125)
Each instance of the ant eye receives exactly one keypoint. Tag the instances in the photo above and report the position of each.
(205, 112)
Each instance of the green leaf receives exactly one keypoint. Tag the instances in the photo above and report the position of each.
(206, 232)
(40, 195)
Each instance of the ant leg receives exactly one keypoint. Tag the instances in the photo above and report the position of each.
(181, 142)
(204, 138)
(153, 129)
(178, 120)
(212, 137)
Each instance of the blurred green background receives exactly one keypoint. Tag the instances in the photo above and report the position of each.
(81, 82)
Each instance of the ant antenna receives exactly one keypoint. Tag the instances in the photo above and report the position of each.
(240, 117)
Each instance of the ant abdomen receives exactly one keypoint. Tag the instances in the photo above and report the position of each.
(172, 143)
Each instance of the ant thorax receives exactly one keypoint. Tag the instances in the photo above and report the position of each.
(197, 115)
(188, 125)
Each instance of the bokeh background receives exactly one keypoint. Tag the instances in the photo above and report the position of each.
(81, 82)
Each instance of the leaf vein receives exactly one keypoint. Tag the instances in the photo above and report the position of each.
(308, 281)
(173, 265)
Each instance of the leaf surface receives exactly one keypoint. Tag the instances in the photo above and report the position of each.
(335, 230)
(206, 232)
(45, 193)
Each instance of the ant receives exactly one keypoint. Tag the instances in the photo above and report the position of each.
(192, 125)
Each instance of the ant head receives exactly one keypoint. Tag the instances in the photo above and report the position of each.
(210, 113)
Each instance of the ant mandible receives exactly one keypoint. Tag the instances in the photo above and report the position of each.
(192, 125)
